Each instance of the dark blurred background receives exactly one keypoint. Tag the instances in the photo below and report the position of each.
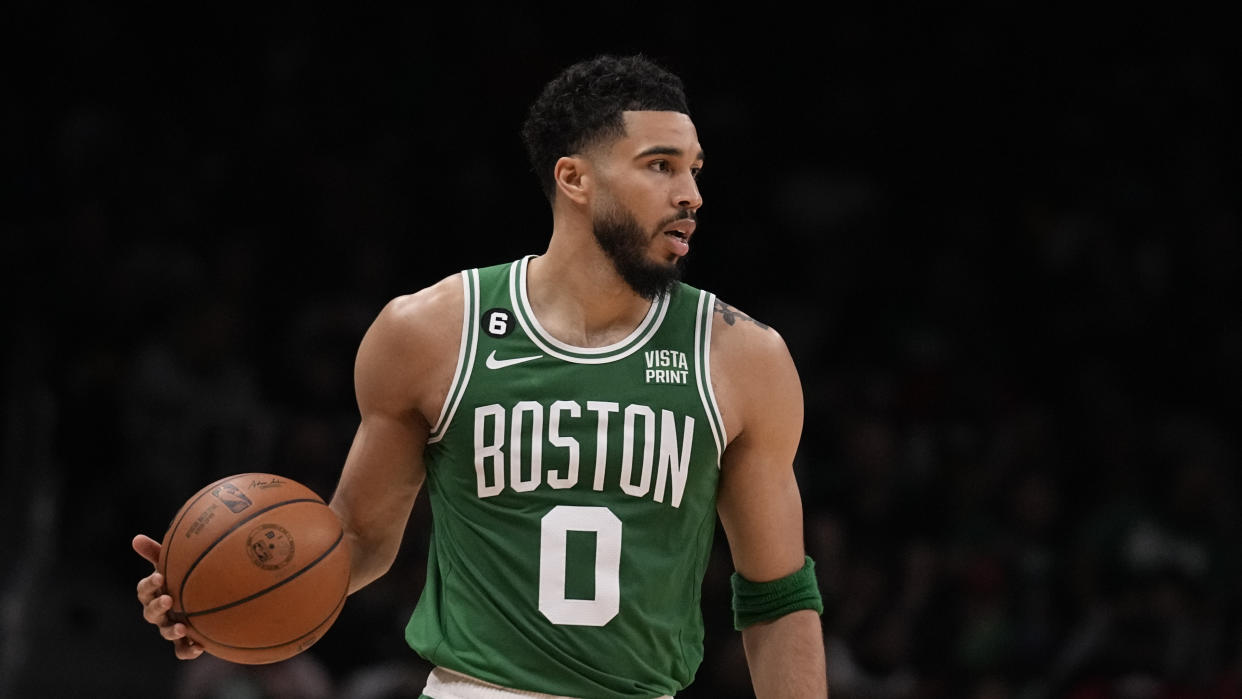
(1002, 245)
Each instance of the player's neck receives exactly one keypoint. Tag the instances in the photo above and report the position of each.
(577, 295)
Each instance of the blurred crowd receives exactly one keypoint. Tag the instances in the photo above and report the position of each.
(1008, 275)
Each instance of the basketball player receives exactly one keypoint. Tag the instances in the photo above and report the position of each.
(580, 418)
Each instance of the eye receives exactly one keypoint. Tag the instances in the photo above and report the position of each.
(694, 172)
(659, 165)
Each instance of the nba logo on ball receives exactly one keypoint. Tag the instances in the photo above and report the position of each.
(232, 498)
(270, 546)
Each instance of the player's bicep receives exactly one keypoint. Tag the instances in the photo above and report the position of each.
(761, 510)
(384, 469)
(388, 385)
(759, 502)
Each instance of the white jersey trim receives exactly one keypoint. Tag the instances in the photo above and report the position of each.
(465, 355)
(561, 350)
(703, 357)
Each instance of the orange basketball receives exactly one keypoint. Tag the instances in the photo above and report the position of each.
(257, 566)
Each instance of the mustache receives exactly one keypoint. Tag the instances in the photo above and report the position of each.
(685, 214)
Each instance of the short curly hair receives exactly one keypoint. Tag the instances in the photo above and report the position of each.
(583, 106)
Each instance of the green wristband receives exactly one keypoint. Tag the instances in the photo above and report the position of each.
(755, 602)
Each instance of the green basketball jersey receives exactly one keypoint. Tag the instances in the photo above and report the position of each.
(573, 493)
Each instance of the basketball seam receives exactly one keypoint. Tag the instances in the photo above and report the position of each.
(335, 610)
(185, 578)
(268, 589)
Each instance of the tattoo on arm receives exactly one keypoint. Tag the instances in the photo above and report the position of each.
(731, 315)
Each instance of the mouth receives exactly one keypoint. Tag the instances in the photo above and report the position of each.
(682, 229)
(678, 237)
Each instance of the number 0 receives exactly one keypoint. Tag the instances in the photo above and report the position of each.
(554, 531)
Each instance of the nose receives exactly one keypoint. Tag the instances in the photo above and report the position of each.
(687, 193)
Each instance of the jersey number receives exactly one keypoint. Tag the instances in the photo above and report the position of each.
(554, 535)
(497, 324)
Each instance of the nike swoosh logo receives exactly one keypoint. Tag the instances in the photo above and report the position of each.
(494, 363)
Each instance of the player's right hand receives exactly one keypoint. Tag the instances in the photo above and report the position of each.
(155, 603)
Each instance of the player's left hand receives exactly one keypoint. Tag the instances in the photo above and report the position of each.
(156, 602)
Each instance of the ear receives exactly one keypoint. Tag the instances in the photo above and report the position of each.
(573, 178)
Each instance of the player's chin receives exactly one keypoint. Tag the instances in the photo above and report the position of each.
(661, 256)
(668, 263)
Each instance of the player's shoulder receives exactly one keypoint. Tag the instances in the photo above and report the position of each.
(753, 373)
(406, 357)
(738, 334)
(425, 321)
(440, 302)
(430, 305)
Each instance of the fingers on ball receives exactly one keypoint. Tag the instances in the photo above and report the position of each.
(156, 610)
(149, 587)
(187, 649)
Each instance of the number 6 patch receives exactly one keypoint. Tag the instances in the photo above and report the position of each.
(497, 322)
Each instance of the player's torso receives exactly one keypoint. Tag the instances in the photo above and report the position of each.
(574, 500)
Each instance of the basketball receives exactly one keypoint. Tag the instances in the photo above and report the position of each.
(257, 566)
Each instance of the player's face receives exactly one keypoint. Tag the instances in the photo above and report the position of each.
(648, 198)
(627, 243)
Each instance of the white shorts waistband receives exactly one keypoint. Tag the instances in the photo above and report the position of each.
(448, 684)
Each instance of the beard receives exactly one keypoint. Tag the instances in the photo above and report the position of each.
(625, 243)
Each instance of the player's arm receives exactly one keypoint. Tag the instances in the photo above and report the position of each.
(759, 503)
(402, 371)
(403, 368)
